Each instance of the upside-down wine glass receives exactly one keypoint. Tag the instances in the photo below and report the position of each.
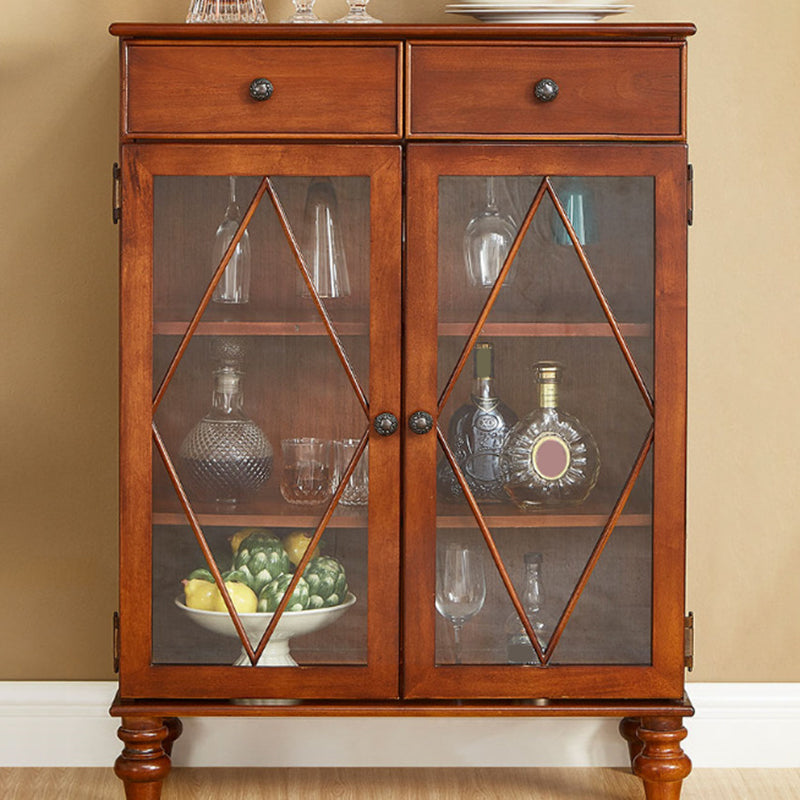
(460, 588)
(487, 239)
(357, 12)
(234, 285)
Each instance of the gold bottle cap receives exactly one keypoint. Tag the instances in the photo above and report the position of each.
(548, 376)
(548, 371)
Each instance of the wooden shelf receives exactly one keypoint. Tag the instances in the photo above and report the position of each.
(564, 329)
(508, 516)
(271, 510)
(177, 327)
(266, 328)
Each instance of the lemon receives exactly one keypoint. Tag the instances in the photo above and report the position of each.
(296, 544)
(200, 594)
(243, 597)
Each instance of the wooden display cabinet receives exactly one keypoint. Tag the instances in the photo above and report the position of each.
(379, 148)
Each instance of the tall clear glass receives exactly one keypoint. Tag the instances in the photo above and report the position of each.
(322, 244)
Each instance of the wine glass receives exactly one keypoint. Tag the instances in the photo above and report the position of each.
(303, 12)
(234, 285)
(460, 588)
(487, 239)
(357, 12)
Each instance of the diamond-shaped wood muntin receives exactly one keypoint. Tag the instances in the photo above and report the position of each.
(545, 651)
(265, 187)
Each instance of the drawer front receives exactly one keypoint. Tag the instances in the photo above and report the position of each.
(489, 90)
(202, 90)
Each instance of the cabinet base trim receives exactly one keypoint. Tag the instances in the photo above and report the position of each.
(70, 724)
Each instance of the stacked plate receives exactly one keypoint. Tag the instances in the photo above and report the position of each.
(524, 11)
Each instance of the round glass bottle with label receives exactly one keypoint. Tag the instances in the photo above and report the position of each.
(476, 434)
(549, 457)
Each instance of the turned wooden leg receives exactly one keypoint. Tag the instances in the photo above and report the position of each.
(174, 730)
(143, 764)
(662, 765)
(629, 730)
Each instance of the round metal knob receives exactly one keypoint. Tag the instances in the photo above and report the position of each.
(420, 422)
(385, 424)
(261, 89)
(546, 90)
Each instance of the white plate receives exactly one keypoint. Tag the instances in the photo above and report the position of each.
(524, 12)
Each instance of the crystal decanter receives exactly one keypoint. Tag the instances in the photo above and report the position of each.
(476, 433)
(226, 457)
(226, 11)
(549, 457)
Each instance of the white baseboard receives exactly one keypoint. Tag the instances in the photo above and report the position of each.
(66, 724)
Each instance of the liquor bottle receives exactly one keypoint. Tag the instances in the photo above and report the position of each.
(226, 457)
(549, 457)
(476, 433)
(519, 649)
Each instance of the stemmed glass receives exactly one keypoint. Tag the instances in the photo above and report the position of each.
(303, 12)
(487, 239)
(234, 285)
(460, 588)
(357, 12)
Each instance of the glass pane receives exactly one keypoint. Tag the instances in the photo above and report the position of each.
(261, 416)
(546, 413)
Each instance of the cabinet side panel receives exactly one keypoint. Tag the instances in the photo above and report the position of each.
(669, 526)
(135, 412)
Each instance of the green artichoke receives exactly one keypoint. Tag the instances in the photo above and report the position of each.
(327, 582)
(260, 559)
(237, 576)
(201, 574)
(272, 594)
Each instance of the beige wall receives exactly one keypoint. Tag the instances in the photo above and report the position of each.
(58, 519)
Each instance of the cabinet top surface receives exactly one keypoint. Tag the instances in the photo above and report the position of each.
(647, 31)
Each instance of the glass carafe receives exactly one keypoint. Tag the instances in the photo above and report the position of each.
(226, 457)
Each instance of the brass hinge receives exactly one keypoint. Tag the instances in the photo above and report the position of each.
(690, 195)
(688, 641)
(116, 641)
(116, 190)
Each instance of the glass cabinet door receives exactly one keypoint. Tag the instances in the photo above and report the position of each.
(260, 312)
(545, 328)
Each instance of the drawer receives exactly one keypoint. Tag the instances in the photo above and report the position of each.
(603, 91)
(199, 90)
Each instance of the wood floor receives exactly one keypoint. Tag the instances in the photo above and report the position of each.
(398, 784)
